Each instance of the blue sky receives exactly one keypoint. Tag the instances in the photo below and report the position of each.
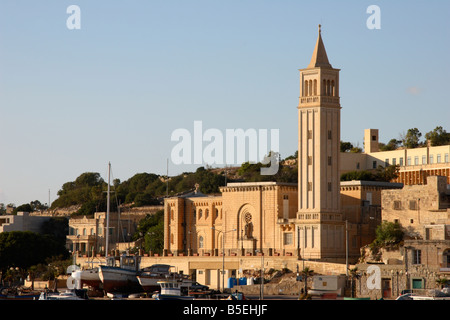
(115, 90)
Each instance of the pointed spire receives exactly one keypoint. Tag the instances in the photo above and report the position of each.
(319, 58)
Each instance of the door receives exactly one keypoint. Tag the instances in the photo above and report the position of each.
(386, 287)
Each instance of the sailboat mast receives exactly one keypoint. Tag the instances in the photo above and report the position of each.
(108, 209)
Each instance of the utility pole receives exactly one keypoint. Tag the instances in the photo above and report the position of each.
(108, 210)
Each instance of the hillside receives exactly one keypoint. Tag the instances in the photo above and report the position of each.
(87, 193)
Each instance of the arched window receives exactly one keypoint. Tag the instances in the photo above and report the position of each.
(324, 88)
(315, 87)
(206, 213)
(310, 88)
(328, 88)
(333, 90)
(200, 242)
(199, 214)
(84, 231)
(306, 88)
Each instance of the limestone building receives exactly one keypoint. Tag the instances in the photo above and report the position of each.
(87, 235)
(415, 165)
(318, 218)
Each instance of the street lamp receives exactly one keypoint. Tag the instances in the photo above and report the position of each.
(223, 254)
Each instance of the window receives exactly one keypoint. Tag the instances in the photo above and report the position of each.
(329, 186)
(329, 161)
(374, 164)
(438, 158)
(309, 160)
(394, 161)
(386, 162)
(310, 134)
(329, 134)
(358, 165)
(417, 256)
(401, 162)
(200, 242)
(309, 186)
(409, 161)
(412, 205)
(416, 160)
(200, 213)
(397, 205)
(206, 213)
(446, 157)
(431, 159)
(374, 138)
(424, 159)
(287, 238)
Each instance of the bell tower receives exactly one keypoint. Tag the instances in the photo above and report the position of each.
(318, 155)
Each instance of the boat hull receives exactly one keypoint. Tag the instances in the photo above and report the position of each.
(116, 279)
(90, 277)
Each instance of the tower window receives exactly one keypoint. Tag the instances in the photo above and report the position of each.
(309, 134)
(329, 186)
(306, 88)
(329, 161)
(329, 134)
(309, 186)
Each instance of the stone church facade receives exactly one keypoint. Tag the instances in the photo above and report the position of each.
(309, 219)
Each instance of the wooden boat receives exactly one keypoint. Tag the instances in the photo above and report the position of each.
(121, 278)
(150, 277)
(171, 290)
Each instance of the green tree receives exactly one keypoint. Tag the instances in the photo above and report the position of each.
(412, 138)
(306, 273)
(388, 234)
(24, 249)
(391, 145)
(438, 137)
(346, 146)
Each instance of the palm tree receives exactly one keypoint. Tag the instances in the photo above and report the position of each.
(442, 282)
(306, 272)
(353, 275)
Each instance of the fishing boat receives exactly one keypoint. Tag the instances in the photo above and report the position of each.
(171, 290)
(16, 294)
(89, 277)
(66, 295)
(150, 277)
(121, 278)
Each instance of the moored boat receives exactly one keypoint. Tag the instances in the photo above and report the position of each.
(121, 278)
(171, 290)
(150, 277)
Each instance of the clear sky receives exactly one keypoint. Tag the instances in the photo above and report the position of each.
(116, 89)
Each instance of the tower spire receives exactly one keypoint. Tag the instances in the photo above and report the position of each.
(319, 57)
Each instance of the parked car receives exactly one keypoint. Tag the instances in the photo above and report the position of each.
(406, 296)
(198, 287)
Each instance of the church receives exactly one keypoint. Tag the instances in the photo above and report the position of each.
(320, 218)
